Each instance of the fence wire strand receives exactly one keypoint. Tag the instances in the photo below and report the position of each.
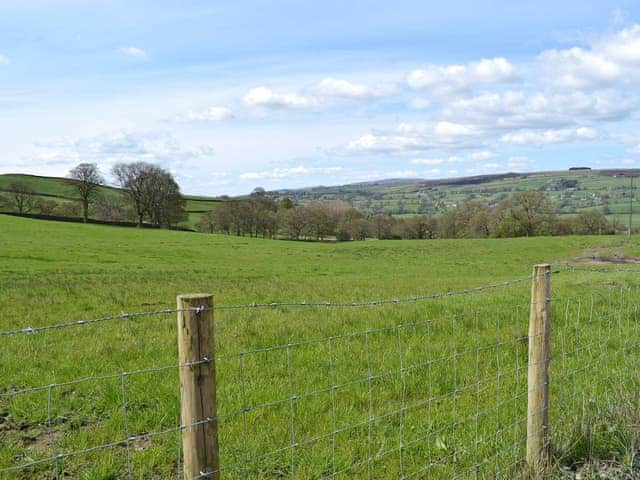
(449, 390)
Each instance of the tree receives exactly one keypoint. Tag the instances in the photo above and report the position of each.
(22, 196)
(285, 203)
(165, 204)
(86, 179)
(132, 178)
(591, 222)
(207, 222)
(46, 207)
(524, 214)
(153, 192)
(112, 208)
(293, 222)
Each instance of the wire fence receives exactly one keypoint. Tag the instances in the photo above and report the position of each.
(432, 387)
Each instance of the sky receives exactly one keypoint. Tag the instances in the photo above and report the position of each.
(229, 96)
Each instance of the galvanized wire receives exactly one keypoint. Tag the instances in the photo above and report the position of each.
(613, 314)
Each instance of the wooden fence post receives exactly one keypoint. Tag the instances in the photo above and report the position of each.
(198, 386)
(538, 378)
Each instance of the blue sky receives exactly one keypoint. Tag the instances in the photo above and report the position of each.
(234, 95)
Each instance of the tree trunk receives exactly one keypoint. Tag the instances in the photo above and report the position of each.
(85, 207)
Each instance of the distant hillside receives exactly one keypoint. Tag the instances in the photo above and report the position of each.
(62, 192)
(571, 191)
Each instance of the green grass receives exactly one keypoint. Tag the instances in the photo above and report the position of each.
(60, 190)
(461, 404)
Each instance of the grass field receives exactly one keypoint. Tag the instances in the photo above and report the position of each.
(428, 389)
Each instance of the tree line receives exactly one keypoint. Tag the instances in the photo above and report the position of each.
(525, 213)
(150, 195)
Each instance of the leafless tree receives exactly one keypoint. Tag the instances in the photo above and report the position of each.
(153, 192)
(22, 196)
(86, 179)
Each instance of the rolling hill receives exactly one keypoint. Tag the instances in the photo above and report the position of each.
(61, 191)
(570, 192)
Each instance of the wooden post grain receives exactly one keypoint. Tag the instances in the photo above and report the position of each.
(538, 378)
(198, 386)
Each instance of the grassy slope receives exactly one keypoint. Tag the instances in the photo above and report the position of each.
(52, 272)
(60, 190)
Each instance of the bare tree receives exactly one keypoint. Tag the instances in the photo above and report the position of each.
(153, 192)
(86, 179)
(22, 196)
(132, 178)
(45, 206)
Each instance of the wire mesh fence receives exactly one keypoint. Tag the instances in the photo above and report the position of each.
(430, 386)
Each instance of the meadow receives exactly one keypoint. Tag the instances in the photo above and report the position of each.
(434, 388)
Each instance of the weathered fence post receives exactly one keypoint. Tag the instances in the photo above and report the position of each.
(539, 356)
(198, 386)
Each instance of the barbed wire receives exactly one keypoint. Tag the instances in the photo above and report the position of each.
(252, 305)
(388, 301)
(83, 322)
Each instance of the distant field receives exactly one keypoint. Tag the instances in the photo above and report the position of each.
(408, 197)
(53, 272)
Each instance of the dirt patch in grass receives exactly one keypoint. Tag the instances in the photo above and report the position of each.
(612, 259)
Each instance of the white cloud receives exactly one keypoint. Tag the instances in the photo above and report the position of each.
(4, 60)
(279, 173)
(450, 78)
(507, 110)
(267, 98)
(409, 137)
(133, 52)
(529, 137)
(518, 162)
(483, 155)
(211, 114)
(436, 161)
(124, 146)
(333, 87)
(472, 157)
(612, 59)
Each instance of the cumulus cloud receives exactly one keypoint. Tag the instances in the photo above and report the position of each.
(505, 110)
(133, 52)
(124, 146)
(214, 114)
(451, 78)
(266, 98)
(408, 137)
(612, 59)
(4, 60)
(340, 88)
(279, 173)
(534, 138)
